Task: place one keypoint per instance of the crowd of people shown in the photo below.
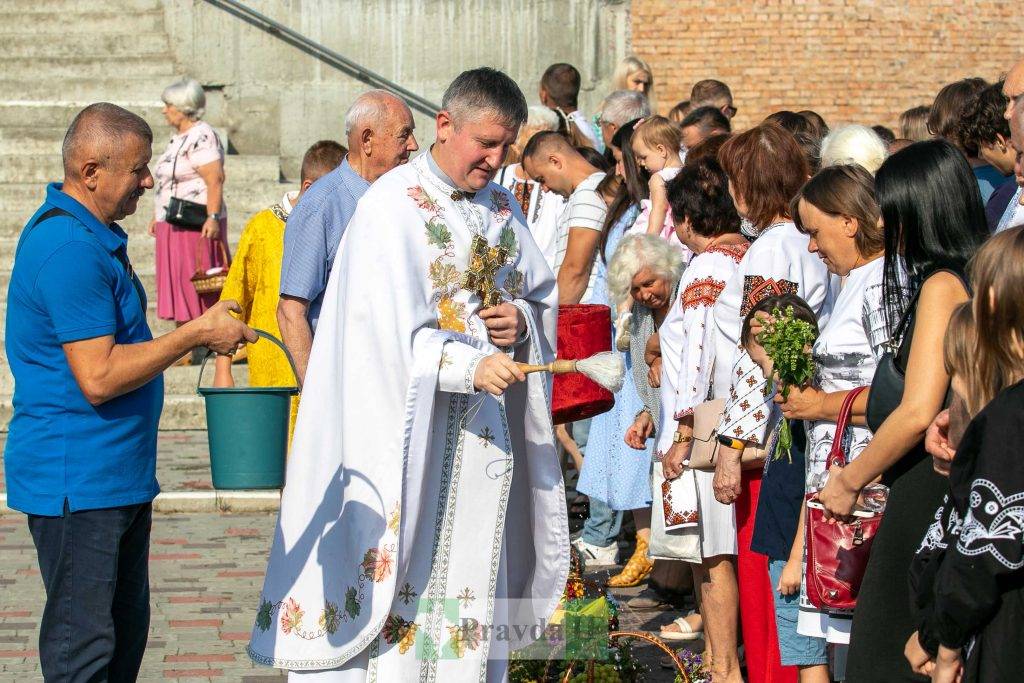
(899, 250)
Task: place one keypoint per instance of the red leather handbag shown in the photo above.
(837, 554)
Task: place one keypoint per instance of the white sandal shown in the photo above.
(685, 632)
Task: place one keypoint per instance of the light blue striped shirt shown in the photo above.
(313, 232)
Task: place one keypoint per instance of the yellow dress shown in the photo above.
(254, 282)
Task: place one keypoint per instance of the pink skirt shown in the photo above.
(176, 250)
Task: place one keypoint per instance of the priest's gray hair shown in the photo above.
(854, 145)
(99, 131)
(636, 252)
(186, 96)
(370, 110)
(623, 106)
(479, 92)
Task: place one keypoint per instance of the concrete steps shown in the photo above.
(49, 17)
(150, 45)
(177, 380)
(57, 115)
(181, 411)
(70, 7)
(56, 56)
(42, 168)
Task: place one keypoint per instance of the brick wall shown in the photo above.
(861, 61)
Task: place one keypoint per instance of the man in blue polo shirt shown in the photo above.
(80, 458)
(379, 130)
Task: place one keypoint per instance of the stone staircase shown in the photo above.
(56, 56)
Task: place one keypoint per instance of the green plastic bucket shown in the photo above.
(248, 430)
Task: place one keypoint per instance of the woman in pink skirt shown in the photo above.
(191, 168)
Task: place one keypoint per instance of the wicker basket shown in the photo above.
(211, 284)
(588, 666)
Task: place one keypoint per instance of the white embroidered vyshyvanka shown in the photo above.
(414, 506)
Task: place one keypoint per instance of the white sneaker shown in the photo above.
(622, 335)
(595, 555)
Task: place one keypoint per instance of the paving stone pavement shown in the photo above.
(206, 571)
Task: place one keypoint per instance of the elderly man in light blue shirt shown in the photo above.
(379, 128)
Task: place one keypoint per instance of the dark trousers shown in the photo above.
(95, 567)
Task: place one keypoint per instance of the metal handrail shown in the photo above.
(324, 54)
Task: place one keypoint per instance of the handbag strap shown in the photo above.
(199, 252)
(836, 456)
(174, 165)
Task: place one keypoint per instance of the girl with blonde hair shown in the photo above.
(656, 143)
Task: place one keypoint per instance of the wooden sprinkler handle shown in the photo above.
(556, 367)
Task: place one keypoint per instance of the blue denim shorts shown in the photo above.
(794, 649)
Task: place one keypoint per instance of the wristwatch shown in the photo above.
(677, 437)
(215, 216)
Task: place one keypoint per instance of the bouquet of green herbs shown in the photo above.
(787, 341)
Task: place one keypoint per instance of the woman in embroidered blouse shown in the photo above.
(706, 223)
(969, 570)
(766, 168)
(198, 176)
(838, 211)
(934, 222)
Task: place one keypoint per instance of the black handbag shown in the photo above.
(183, 213)
(889, 379)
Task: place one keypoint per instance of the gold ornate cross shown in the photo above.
(484, 263)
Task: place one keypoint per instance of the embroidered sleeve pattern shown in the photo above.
(747, 408)
(458, 367)
(695, 370)
(756, 289)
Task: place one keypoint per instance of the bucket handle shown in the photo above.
(269, 337)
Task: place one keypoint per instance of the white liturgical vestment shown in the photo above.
(419, 515)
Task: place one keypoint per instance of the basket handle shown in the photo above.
(269, 337)
(199, 252)
(652, 639)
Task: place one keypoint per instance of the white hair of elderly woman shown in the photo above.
(622, 106)
(854, 144)
(186, 96)
(540, 118)
(639, 251)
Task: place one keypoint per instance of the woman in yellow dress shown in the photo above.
(254, 278)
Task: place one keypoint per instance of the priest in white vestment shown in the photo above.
(423, 520)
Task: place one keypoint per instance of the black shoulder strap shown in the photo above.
(46, 215)
(120, 254)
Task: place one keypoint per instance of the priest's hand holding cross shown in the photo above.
(505, 324)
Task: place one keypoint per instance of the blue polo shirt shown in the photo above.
(313, 232)
(70, 283)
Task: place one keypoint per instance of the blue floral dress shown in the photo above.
(612, 471)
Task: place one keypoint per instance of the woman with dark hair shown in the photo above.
(766, 168)
(944, 122)
(934, 222)
(707, 223)
(838, 211)
(613, 477)
(982, 124)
